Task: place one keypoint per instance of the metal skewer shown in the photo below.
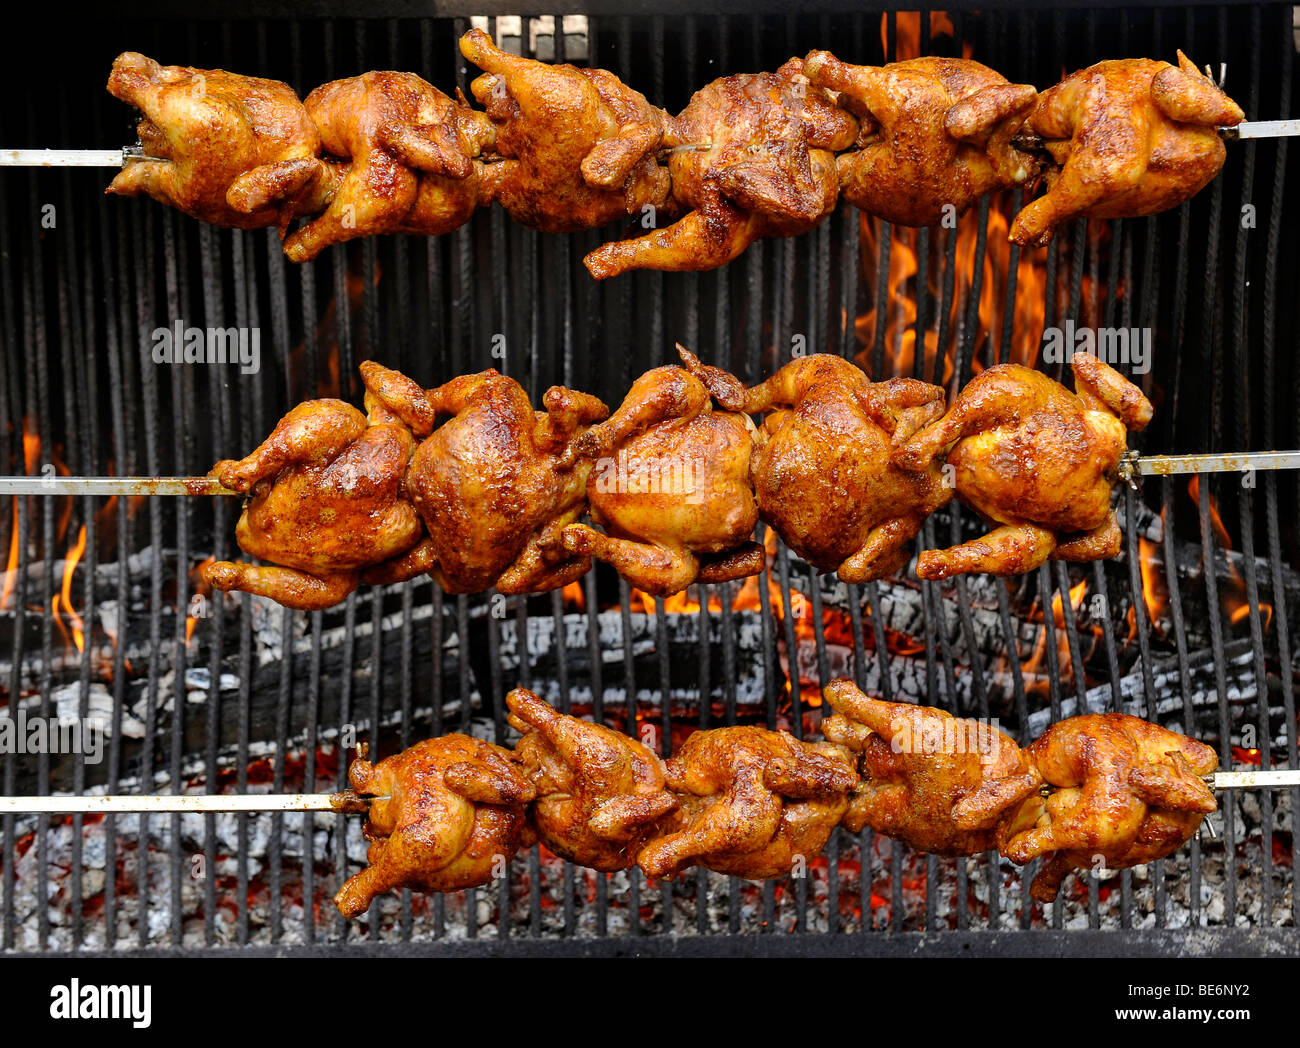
(74, 157)
(1132, 465)
(214, 802)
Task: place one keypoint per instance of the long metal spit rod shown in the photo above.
(121, 157)
(272, 802)
(1132, 465)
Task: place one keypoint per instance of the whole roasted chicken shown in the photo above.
(935, 134)
(670, 486)
(600, 795)
(405, 162)
(579, 147)
(754, 803)
(821, 467)
(1124, 792)
(492, 485)
(448, 813)
(1129, 137)
(205, 129)
(916, 764)
(752, 156)
(327, 498)
(1035, 460)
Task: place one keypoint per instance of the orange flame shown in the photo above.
(63, 599)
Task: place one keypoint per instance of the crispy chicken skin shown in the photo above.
(454, 812)
(491, 486)
(670, 486)
(1127, 792)
(916, 763)
(760, 164)
(934, 132)
(754, 802)
(209, 128)
(821, 467)
(326, 499)
(405, 162)
(1034, 459)
(579, 147)
(600, 794)
(1129, 137)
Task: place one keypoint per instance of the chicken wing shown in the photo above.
(1034, 459)
(600, 794)
(935, 134)
(326, 499)
(754, 803)
(670, 487)
(1127, 792)
(404, 162)
(209, 128)
(1129, 137)
(579, 146)
(752, 156)
(821, 468)
(491, 486)
(916, 764)
(448, 814)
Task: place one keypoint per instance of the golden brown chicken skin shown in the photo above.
(578, 146)
(752, 156)
(935, 134)
(1129, 137)
(491, 486)
(326, 499)
(754, 803)
(448, 814)
(1126, 792)
(1034, 459)
(916, 763)
(208, 128)
(821, 468)
(403, 162)
(670, 486)
(600, 795)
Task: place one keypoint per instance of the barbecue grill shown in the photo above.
(103, 612)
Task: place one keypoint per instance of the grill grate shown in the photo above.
(77, 304)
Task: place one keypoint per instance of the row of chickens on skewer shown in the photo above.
(563, 148)
(1097, 790)
(468, 484)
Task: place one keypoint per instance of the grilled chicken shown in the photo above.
(404, 162)
(1126, 792)
(579, 147)
(1129, 137)
(755, 803)
(935, 134)
(448, 814)
(753, 156)
(1035, 460)
(326, 499)
(670, 486)
(916, 763)
(207, 129)
(821, 468)
(491, 486)
(600, 796)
